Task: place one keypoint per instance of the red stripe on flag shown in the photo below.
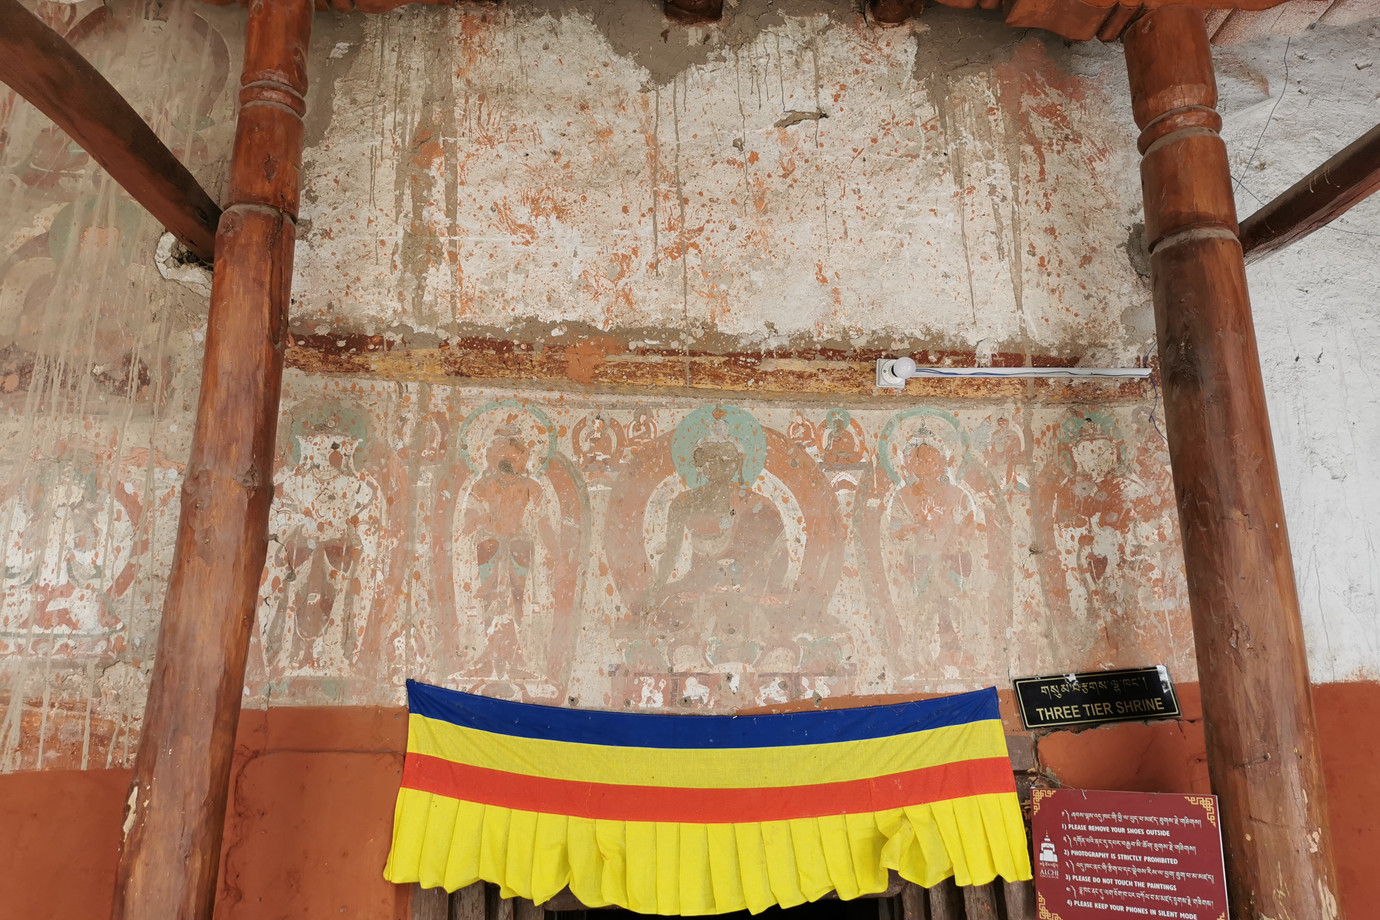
(705, 806)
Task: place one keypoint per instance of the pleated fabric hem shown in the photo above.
(695, 869)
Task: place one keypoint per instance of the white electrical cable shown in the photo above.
(1030, 372)
(892, 373)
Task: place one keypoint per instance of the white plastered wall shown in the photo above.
(1317, 312)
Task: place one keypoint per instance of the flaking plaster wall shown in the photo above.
(797, 179)
(98, 380)
(790, 180)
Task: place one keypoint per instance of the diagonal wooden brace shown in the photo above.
(44, 69)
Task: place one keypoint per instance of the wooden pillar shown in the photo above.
(914, 902)
(1261, 736)
(1019, 898)
(171, 849)
(946, 901)
(980, 902)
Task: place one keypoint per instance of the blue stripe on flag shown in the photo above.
(649, 730)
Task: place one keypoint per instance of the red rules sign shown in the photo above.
(1100, 855)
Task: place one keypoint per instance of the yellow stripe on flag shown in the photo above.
(698, 869)
(764, 767)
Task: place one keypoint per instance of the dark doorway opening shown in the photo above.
(903, 901)
(825, 909)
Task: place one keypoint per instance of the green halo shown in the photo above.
(742, 427)
(890, 431)
(833, 414)
(543, 424)
(1081, 420)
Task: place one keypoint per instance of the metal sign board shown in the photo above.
(1100, 855)
(1133, 694)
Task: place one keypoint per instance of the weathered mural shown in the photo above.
(600, 550)
(78, 533)
(327, 559)
(615, 551)
(662, 552)
(97, 378)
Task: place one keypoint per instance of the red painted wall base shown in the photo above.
(311, 808)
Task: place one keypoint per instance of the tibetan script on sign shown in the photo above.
(1134, 694)
(1127, 854)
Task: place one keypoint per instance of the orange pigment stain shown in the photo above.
(584, 359)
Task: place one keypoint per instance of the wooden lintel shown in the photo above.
(1072, 19)
(44, 69)
(601, 363)
(1316, 200)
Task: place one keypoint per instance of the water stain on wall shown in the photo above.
(97, 375)
(807, 179)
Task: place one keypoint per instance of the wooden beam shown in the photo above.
(1074, 19)
(1316, 200)
(1084, 20)
(171, 850)
(896, 12)
(41, 67)
(1262, 740)
(1019, 898)
(946, 901)
(980, 902)
(577, 361)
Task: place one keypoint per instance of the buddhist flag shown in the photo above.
(689, 815)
